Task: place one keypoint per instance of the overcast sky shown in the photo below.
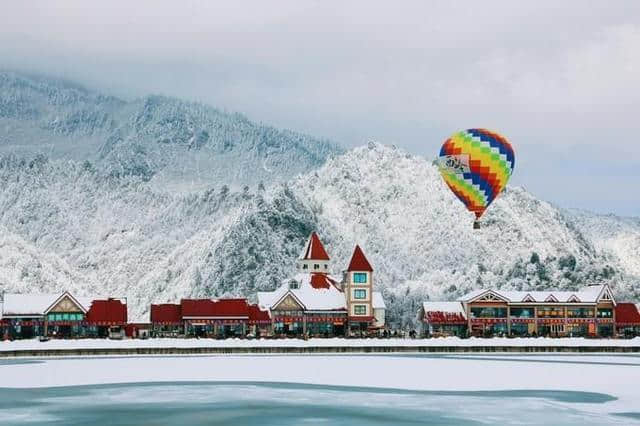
(561, 80)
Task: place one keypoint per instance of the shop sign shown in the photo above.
(523, 320)
(551, 321)
(580, 320)
(489, 321)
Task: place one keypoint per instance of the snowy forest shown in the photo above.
(158, 199)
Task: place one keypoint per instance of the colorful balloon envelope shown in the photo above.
(476, 164)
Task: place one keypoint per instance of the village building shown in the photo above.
(591, 311)
(315, 303)
(166, 320)
(587, 312)
(61, 315)
(628, 319)
(209, 318)
(442, 319)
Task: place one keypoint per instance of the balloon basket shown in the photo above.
(476, 224)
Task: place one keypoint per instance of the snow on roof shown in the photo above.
(328, 298)
(451, 307)
(36, 304)
(314, 250)
(359, 261)
(588, 294)
(444, 313)
(473, 294)
(27, 304)
(378, 301)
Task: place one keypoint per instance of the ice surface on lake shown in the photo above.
(282, 404)
(559, 389)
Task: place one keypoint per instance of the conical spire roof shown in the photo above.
(359, 261)
(314, 250)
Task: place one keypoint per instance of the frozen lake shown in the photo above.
(336, 390)
(278, 404)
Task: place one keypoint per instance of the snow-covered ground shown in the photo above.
(615, 377)
(262, 343)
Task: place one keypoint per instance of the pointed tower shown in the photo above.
(358, 289)
(314, 258)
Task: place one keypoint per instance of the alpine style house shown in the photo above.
(61, 315)
(313, 302)
(591, 311)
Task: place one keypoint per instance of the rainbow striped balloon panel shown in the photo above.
(476, 164)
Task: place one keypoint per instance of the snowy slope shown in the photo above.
(92, 213)
(421, 241)
(119, 235)
(175, 144)
(615, 236)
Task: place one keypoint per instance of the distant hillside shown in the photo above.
(67, 225)
(172, 143)
(615, 236)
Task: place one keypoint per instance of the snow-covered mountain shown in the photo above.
(615, 236)
(174, 144)
(84, 217)
(70, 226)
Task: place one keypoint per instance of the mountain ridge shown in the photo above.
(128, 223)
(158, 138)
(121, 236)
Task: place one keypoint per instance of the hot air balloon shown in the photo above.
(476, 164)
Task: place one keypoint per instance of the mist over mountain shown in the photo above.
(171, 143)
(93, 215)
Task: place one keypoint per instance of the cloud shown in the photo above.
(558, 78)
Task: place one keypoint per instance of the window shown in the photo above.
(522, 312)
(489, 312)
(326, 266)
(360, 278)
(316, 266)
(65, 317)
(360, 309)
(305, 266)
(551, 311)
(580, 312)
(359, 294)
(605, 313)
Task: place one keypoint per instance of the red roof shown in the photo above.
(438, 317)
(257, 315)
(314, 249)
(166, 313)
(627, 314)
(359, 262)
(362, 319)
(214, 308)
(320, 281)
(107, 311)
